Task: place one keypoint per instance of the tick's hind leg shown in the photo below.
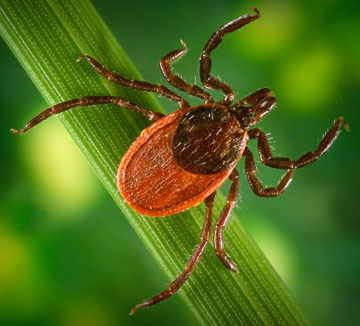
(267, 158)
(133, 83)
(205, 59)
(223, 220)
(176, 81)
(191, 264)
(87, 101)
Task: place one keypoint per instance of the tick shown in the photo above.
(184, 157)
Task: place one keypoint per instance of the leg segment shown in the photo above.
(191, 264)
(223, 220)
(267, 158)
(258, 189)
(205, 59)
(135, 84)
(87, 101)
(177, 81)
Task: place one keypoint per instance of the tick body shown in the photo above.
(180, 160)
(183, 158)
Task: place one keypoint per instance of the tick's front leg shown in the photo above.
(176, 81)
(208, 80)
(134, 83)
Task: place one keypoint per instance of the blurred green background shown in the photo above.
(57, 221)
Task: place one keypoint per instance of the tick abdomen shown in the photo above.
(208, 140)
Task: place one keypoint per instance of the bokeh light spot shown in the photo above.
(267, 37)
(310, 79)
(84, 312)
(14, 258)
(276, 247)
(58, 169)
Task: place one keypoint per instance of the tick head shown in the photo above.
(254, 107)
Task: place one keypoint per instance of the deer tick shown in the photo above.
(184, 157)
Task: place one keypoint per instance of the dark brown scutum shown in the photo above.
(208, 140)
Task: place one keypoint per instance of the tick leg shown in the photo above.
(87, 101)
(205, 59)
(267, 158)
(223, 220)
(177, 81)
(258, 189)
(135, 84)
(191, 264)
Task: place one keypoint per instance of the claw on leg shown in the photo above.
(222, 222)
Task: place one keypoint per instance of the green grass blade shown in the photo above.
(47, 37)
